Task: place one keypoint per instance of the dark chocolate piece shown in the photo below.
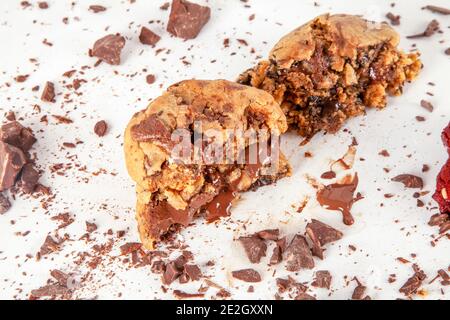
(17, 135)
(100, 128)
(187, 19)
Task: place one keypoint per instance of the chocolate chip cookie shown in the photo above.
(196, 147)
(332, 68)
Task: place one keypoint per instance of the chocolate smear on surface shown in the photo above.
(220, 206)
(109, 48)
(187, 19)
(255, 248)
(409, 180)
(148, 37)
(340, 196)
(247, 275)
(12, 159)
(346, 161)
(298, 254)
(431, 29)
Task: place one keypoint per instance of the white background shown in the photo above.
(380, 234)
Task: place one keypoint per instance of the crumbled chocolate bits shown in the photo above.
(100, 128)
(322, 280)
(43, 5)
(187, 19)
(247, 275)
(5, 205)
(255, 248)
(192, 271)
(96, 8)
(12, 159)
(436, 9)
(148, 37)
(426, 105)
(48, 94)
(21, 78)
(165, 6)
(320, 234)
(150, 79)
(431, 29)
(413, 283)
(184, 295)
(394, 19)
(130, 247)
(109, 48)
(298, 254)
(171, 273)
(269, 234)
(409, 180)
(28, 179)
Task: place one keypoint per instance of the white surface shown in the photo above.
(379, 239)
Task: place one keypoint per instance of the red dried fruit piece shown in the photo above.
(442, 194)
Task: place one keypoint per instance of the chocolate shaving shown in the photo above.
(409, 180)
(97, 8)
(183, 295)
(48, 94)
(413, 283)
(436, 9)
(426, 105)
(431, 29)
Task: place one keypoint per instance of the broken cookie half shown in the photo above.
(332, 68)
(196, 147)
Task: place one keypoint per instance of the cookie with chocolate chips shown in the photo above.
(331, 69)
(196, 147)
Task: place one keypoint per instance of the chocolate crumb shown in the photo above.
(100, 128)
(409, 180)
(426, 105)
(48, 94)
(97, 8)
(394, 19)
(148, 37)
(150, 79)
(90, 227)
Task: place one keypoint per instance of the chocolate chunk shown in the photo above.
(323, 279)
(108, 48)
(150, 79)
(90, 227)
(12, 159)
(358, 293)
(304, 296)
(48, 246)
(247, 275)
(187, 19)
(17, 135)
(100, 128)
(436, 9)
(148, 37)
(48, 94)
(413, 283)
(60, 276)
(328, 175)
(158, 267)
(431, 29)
(426, 105)
(298, 255)
(29, 178)
(130, 247)
(43, 5)
(97, 8)
(321, 234)
(394, 19)
(51, 290)
(409, 180)
(277, 255)
(5, 205)
(151, 129)
(193, 272)
(21, 78)
(270, 234)
(171, 273)
(254, 247)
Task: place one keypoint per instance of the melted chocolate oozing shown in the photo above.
(339, 196)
